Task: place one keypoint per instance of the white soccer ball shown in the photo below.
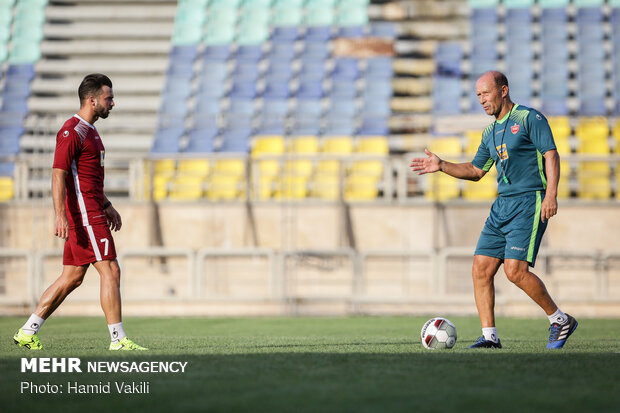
(438, 333)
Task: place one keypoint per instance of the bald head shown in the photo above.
(492, 92)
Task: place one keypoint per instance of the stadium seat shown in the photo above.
(195, 167)
(594, 180)
(360, 187)
(7, 191)
(186, 187)
(226, 183)
(441, 187)
(482, 190)
(267, 170)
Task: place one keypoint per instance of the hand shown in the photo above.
(61, 229)
(425, 165)
(548, 208)
(114, 218)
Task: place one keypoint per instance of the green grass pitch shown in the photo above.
(340, 364)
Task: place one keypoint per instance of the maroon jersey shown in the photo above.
(80, 152)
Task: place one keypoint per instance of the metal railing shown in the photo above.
(292, 277)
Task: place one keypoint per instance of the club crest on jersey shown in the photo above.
(65, 133)
(502, 152)
(514, 128)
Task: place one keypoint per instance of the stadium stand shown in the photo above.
(204, 78)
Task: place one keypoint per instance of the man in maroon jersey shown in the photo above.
(84, 216)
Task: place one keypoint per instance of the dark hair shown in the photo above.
(92, 84)
(500, 79)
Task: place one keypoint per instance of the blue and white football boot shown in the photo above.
(559, 333)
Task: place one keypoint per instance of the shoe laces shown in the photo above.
(554, 331)
(481, 339)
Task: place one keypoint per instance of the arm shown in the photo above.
(549, 206)
(61, 225)
(458, 170)
(114, 218)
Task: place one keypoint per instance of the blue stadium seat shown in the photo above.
(379, 68)
(351, 31)
(319, 34)
(448, 57)
(345, 68)
(201, 140)
(374, 126)
(343, 89)
(11, 119)
(285, 34)
(219, 53)
(249, 53)
(283, 52)
(207, 106)
(235, 141)
(184, 53)
(342, 105)
(24, 71)
(7, 168)
(384, 29)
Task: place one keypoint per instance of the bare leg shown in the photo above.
(483, 276)
(110, 274)
(518, 273)
(69, 280)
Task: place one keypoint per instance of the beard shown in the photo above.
(101, 111)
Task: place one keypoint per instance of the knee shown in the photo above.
(75, 277)
(481, 273)
(515, 275)
(113, 273)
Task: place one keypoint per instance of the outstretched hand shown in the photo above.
(425, 165)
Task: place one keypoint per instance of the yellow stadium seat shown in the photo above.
(304, 145)
(367, 168)
(338, 145)
(7, 190)
(373, 145)
(592, 135)
(227, 182)
(441, 187)
(560, 127)
(165, 166)
(450, 147)
(361, 188)
(594, 180)
(231, 167)
(563, 146)
(160, 185)
(186, 188)
(565, 177)
(473, 139)
(482, 190)
(616, 136)
(268, 144)
(225, 188)
(198, 167)
(291, 187)
(326, 186)
(592, 127)
(299, 167)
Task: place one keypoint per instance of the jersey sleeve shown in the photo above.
(482, 159)
(540, 132)
(68, 145)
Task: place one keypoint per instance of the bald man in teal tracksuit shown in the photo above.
(520, 144)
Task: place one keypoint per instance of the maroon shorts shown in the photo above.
(89, 244)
